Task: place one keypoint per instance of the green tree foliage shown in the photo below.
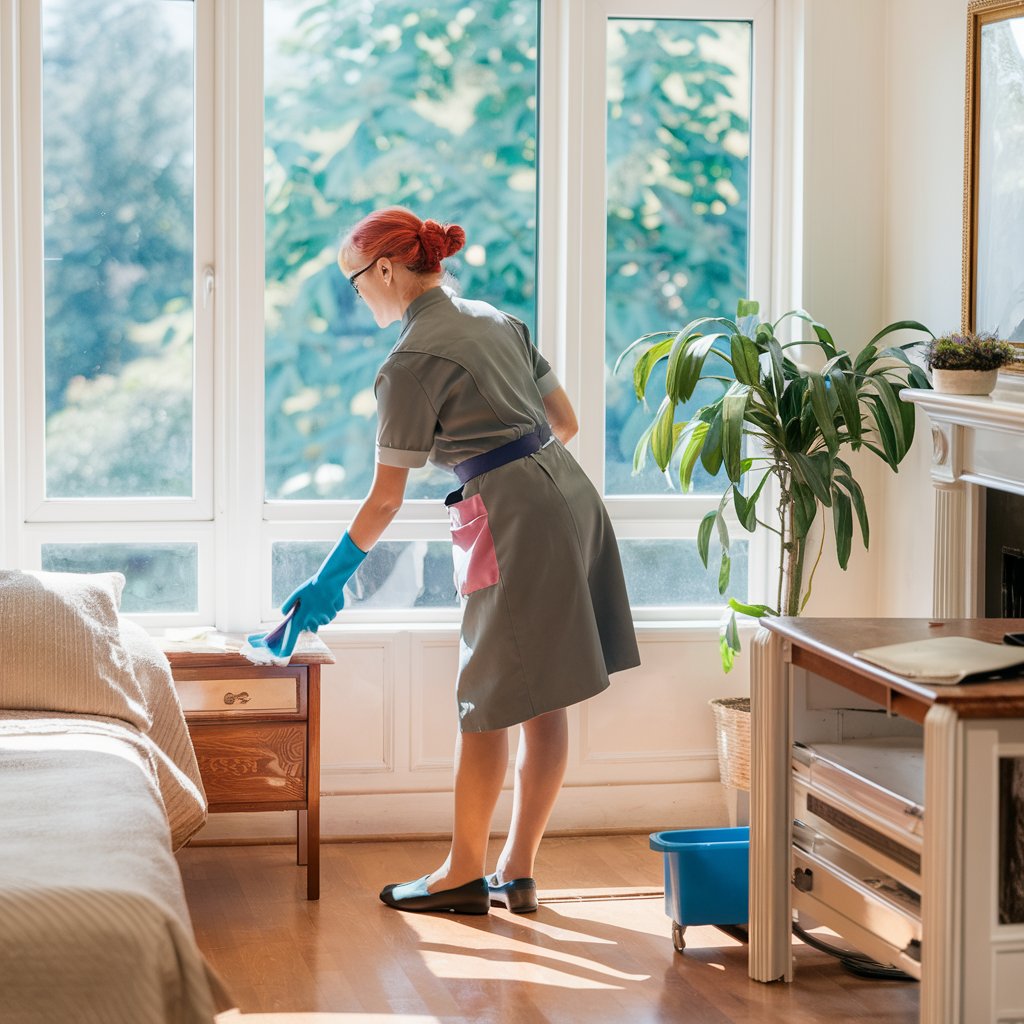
(430, 106)
(678, 182)
(118, 246)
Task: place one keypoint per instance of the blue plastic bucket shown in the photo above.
(707, 874)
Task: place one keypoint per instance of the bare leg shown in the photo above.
(540, 768)
(480, 762)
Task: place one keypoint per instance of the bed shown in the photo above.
(98, 786)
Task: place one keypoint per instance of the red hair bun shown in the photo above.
(400, 235)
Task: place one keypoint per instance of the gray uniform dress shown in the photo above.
(546, 617)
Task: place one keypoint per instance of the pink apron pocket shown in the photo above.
(476, 565)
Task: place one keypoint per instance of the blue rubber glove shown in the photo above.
(279, 642)
(322, 596)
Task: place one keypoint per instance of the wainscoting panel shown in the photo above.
(433, 665)
(357, 698)
(653, 724)
(642, 754)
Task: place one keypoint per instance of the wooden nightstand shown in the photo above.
(256, 731)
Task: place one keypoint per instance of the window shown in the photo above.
(602, 199)
(118, 185)
(673, 117)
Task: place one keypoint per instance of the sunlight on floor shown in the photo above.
(324, 1018)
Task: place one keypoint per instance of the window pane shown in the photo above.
(430, 106)
(117, 204)
(158, 577)
(678, 151)
(395, 574)
(670, 572)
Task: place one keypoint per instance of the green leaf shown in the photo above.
(822, 411)
(824, 341)
(842, 517)
(747, 307)
(726, 653)
(908, 420)
(734, 403)
(746, 510)
(645, 366)
(691, 453)
(845, 479)
(724, 571)
(640, 452)
(745, 364)
(901, 325)
(778, 361)
(755, 611)
(805, 508)
(791, 403)
(846, 392)
(865, 358)
(919, 379)
(635, 344)
(711, 453)
(663, 434)
(886, 434)
(704, 535)
(685, 363)
(891, 404)
(815, 473)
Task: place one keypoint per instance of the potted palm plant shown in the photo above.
(775, 420)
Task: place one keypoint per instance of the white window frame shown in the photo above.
(31, 518)
(228, 517)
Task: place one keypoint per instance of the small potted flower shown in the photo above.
(967, 363)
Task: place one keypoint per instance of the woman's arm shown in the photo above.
(560, 415)
(380, 506)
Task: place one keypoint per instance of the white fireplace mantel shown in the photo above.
(977, 443)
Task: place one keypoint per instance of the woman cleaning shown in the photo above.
(546, 617)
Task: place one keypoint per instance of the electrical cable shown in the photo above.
(856, 963)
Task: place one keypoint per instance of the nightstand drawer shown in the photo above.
(238, 694)
(246, 764)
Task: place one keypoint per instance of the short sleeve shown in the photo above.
(406, 421)
(545, 377)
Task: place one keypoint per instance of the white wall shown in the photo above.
(925, 63)
(843, 231)
(883, 166)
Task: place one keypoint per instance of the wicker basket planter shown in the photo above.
(732, 724)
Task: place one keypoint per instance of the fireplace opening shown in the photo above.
(1013, 584)
(1004, 555)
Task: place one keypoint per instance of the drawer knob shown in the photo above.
(803, 879)
(242, 697)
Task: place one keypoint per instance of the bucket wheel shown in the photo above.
(678, 937)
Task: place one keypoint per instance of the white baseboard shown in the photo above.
(640, 808)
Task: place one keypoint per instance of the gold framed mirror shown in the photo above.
(993, 242)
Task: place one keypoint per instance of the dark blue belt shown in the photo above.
(496, 457)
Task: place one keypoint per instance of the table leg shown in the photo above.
(301, 838)
(940, 900)
(771, 809)
(312, 814)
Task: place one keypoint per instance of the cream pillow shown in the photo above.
(60, 646)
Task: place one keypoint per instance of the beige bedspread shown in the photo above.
(93, 921)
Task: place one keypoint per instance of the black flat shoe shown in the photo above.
(471, 898)
(519, 895)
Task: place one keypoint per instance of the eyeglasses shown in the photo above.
(352, 279)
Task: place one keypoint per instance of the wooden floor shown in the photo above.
(598, 950)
